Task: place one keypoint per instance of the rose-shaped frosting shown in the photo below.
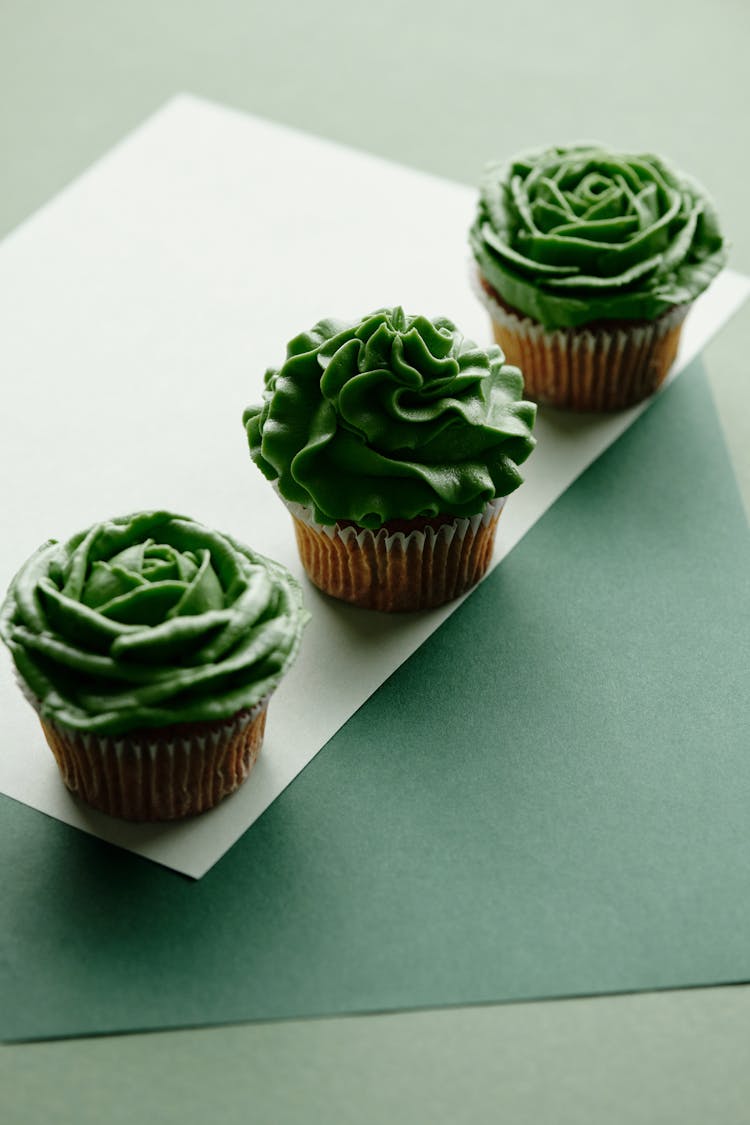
(147, 621)
(579, 234)
(393, 417)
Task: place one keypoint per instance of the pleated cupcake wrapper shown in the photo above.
(397, 571)
(587, 369)
(154, 775)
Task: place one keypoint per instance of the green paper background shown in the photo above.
(561, 810)
(563, 1063)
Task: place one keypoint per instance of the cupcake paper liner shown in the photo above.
(160, 774)
(600, 367)
(397, 571)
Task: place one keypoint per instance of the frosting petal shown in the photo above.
(571, 235)
(147, 621)
(391, 417)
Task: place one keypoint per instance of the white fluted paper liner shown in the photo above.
(160, 774)
(397, 570)
(599, 367)
(458, 526)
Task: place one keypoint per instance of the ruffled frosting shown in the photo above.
(578, 234)
(392, 417)
(147, 621)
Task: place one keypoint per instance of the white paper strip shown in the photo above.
(139, 310)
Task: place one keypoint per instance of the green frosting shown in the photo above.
(579, 234)
(393, 417)
(150, 620)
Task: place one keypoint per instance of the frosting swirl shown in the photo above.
(392, 417)
(147, 621)
(578, 234)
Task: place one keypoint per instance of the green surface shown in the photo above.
(549, 798)
(443, 90)
(524, 1062)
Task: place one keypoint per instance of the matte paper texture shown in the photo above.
(141, 308)
(549, 798)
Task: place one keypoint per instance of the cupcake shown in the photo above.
(149, 647)
(588, 261)
(394, 442)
